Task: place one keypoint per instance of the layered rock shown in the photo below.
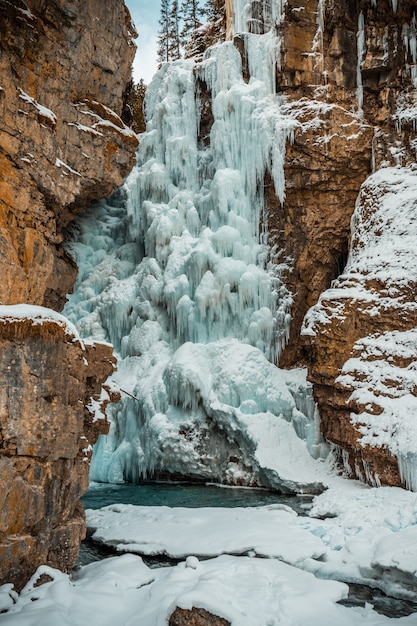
(64, 69)
(62, 143)
(362, 335)
(358, 335)
(51, 388)
(347, 73)
(196, 617)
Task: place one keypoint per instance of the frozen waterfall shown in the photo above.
(175, 273)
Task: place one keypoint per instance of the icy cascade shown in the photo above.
(256, 17)
(177, 279)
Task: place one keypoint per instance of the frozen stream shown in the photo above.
(202, 496)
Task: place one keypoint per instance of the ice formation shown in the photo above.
(360, 38)
(176, 275)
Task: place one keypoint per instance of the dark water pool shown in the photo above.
(191, 496)
(175, 495)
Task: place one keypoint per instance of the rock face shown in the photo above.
(362, 334)
(62, 142)
(196, 617)
(64, 67)
(348, 71)
(50, 382)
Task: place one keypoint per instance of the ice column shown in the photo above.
(360, 58)
(318, 49)
(257, 16)
(409, 33)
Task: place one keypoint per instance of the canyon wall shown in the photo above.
(348, 72)
(64, 68)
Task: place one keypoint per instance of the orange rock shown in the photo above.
(61, 95)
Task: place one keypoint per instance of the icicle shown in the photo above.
(345, 459)
(360, 38)
(244, 22)
(318, 47)
(371, 478)
(409, 34)
(407, 465)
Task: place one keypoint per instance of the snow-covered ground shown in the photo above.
(266, 565)
(353, 533)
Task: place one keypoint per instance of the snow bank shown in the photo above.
(178, 532)
(245, 591)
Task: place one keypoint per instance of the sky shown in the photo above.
(145, 15)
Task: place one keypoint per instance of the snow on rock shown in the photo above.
(44, 113)
(382, 376)
(382, 262)
(37, 314)
(373, 372)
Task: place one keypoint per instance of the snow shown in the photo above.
(353, 533)
(42, 110)
(119, 590)
(268, 532)
(85, 129)
(116, 124)
(59, 163)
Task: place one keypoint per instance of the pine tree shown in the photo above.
(191, 14)
(135, 102)
(215, 29)
(164, 33)
(174, 52)
(215, 10)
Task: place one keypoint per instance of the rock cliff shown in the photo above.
(62, 141)
(348, 71)
(62, 145)
(362, 334)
